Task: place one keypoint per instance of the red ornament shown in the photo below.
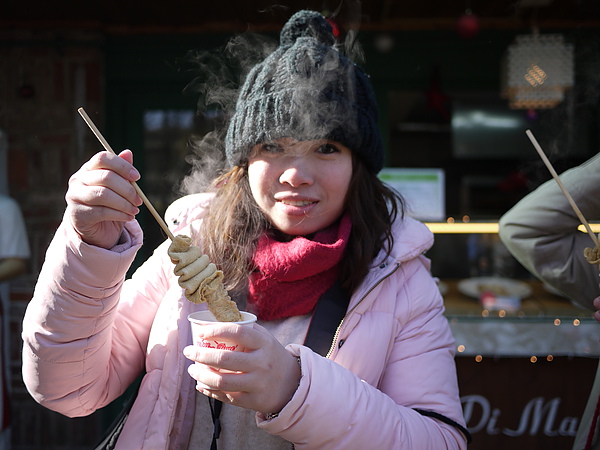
(514, 181)
(468, 25)
(531, 115)
(335, 27)
(436, 99)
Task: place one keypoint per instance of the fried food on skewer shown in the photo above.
(592, 255)
(201, 279)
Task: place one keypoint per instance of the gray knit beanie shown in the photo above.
(306, 90)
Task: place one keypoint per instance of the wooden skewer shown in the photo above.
(562, 187)
(106, 145)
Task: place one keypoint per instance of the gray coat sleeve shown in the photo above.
(541, 232)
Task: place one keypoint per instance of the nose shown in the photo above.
(296, 173)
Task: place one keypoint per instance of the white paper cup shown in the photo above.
(200, 318)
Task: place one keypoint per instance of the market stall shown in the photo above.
(524, 372)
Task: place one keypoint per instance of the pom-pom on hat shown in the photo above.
(306, 89)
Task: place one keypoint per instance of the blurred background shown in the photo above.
(457, 86)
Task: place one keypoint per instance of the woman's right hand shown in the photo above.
(101, 198)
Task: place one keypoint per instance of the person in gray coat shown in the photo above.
(541, 233)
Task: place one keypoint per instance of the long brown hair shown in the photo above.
(234, 222)
(373, 208)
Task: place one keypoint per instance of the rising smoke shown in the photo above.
(218, 75)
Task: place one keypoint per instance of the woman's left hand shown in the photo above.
(266, 374)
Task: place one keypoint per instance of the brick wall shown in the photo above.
(44, 77)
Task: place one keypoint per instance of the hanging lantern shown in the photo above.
(537, 70)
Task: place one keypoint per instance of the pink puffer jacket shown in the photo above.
(88, 334)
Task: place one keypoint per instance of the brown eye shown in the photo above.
(270, 147)
(328, 149)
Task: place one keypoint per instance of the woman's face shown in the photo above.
(300, 186)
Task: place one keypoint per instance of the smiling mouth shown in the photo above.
(297, 203)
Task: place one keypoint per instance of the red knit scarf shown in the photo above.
(291, 276)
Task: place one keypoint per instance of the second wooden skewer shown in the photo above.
(107, 146)
(562, 187)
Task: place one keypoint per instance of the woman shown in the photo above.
(300, 210)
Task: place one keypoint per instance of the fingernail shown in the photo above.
(134, 174)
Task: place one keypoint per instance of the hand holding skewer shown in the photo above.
(139, 192)
(201, 279)
(592, 255)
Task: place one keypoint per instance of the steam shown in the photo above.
(565, 126)
(220, 73)
(587, 66)
(219, 76)
(563, 130)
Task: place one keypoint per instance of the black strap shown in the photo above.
(331, 309)
(447, 420)
(215, 411)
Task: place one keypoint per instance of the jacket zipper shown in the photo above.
(339, 327)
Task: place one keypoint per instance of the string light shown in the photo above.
(470, 347)
(479, 358)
